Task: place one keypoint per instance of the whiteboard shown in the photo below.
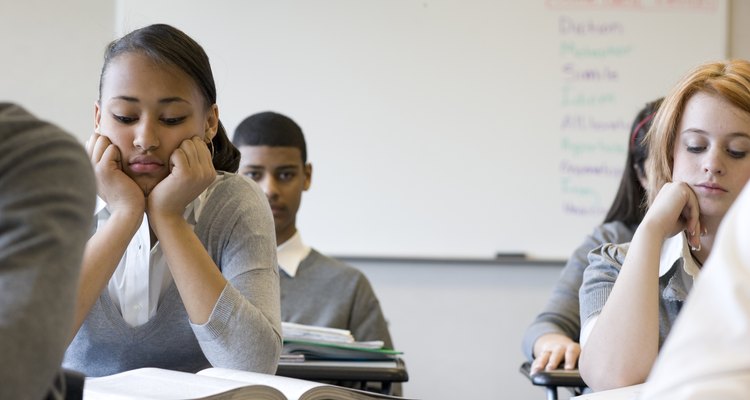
(453, 128)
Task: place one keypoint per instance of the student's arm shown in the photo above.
(244, 328)
(233, 306)
(552, 338)
(624, 342)
(195, 274)
(126, 203)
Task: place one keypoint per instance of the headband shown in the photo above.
(638, 128)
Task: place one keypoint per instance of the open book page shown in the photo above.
(163, 384)
(296, 389)
(623, 393)
(292, 388)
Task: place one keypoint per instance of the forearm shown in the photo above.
(243, 334)
(196, 276)
(102, 254)
(624, 342)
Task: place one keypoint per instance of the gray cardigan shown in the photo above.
(561, 314)
(243, 331)
(599, 278)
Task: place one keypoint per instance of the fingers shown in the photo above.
(97, 145)
(90, 143)
(204, 154)
(691, 215)
(555, 358)
(111, 155)
(179, 160)
(550, 359)
(571, 355)
(195, 153)
(540, 362)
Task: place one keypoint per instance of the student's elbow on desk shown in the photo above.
(604, 375)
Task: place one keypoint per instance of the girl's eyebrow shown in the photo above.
(166, 100)
(703, 132)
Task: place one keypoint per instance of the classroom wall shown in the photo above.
(739, 29)
(459, 324)
(51, 54)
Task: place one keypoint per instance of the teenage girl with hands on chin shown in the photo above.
(180, 272)
(699, 161)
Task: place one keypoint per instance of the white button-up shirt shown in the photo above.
(291, 253)
(142, 276)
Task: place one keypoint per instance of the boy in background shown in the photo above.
(315, 289)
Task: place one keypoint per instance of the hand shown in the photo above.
(675, 209)
(113, 185)
(191, 171)
(552, 349)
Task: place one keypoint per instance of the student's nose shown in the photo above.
(714, 162)
(270, 188)
(145, 137)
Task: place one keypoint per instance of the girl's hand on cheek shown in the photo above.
(192, 170)
(675, 209)
(113, 185)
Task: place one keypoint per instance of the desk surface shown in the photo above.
(372, 371)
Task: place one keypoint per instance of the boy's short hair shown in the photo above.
(269, 128)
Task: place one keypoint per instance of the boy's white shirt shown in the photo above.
(291, 253)
(142, 277)
(674, 248)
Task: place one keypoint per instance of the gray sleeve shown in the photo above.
(599, 278)
(47, 195)
(561, 313)
(244, 329)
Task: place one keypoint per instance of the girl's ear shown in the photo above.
(212, 122)
(97, 117)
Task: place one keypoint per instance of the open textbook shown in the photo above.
(214, 384)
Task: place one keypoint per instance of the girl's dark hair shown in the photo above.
(169, 45)
(629, 205)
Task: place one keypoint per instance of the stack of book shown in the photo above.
(321, 343)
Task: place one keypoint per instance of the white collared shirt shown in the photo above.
(291, 253)
(673, 249)
(142, 277)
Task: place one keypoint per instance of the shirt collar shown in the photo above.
(291, 253)
(676, 248)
